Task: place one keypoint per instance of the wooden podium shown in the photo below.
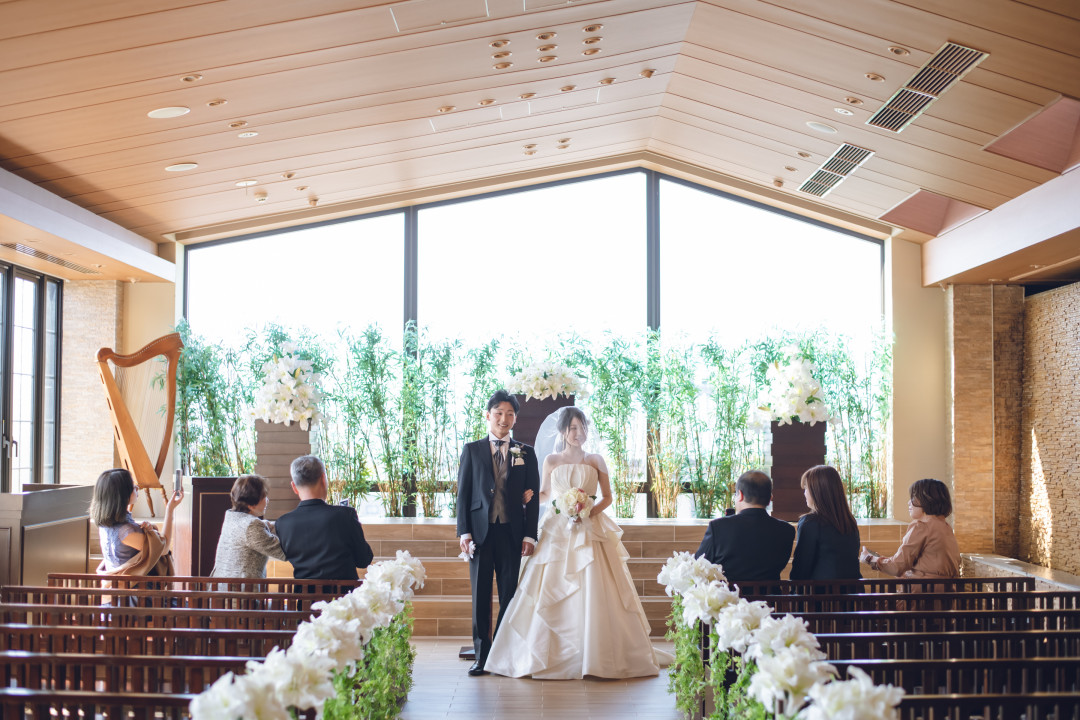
(198, 522)
(44, 528)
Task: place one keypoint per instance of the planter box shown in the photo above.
(533, 413)
(795, 449)
(276, 446)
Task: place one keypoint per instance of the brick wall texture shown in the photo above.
(92, 320)
(1008, 408)
(1049, 527)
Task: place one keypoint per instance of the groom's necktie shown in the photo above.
(498, 502)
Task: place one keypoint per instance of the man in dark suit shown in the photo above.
(323, 542)
(750, 545)
(498, 505)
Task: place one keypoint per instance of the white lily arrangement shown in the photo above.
(789, 674)
(301, 677)
(794, 395)
(289, 393)
(544, 380)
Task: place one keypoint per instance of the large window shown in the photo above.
(29, 362)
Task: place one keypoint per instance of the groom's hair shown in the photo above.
(306, 470)
(500, 397)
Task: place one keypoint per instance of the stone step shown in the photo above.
(423, 529)
(452, 616)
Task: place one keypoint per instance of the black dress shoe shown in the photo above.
(477, 669)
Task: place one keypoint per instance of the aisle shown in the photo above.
(443, 690)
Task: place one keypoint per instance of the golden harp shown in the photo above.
(141, 392)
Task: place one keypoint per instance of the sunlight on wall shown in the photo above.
(1042, 515)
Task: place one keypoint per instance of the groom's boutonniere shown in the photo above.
(519, 458)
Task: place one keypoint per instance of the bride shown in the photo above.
(576, 611)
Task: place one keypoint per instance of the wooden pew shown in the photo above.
(207, 584)
(753, 588)
(913, 602)
(1033, 706)
(162, 597)
(996, 676)
(932, 621)
(152, 617)
(934, 646)
(142, 641)
(114, 673)
(25, 704)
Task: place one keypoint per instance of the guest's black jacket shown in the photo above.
(750, 545)
(323, 542)
(824, 553)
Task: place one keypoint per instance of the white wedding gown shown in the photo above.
(576, 611)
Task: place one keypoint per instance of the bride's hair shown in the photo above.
(567, 416)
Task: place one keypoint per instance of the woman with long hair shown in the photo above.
(129, 548)
(828, 541)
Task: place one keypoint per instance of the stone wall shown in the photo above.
(1049, 527)
(92, 320)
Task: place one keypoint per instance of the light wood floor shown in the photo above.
(442, 689)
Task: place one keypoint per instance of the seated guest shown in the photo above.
(828, 544)
(130, 548)
(750, 545)
(323, 542)
(246, 540)
(929, 548)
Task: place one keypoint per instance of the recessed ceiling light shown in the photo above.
(564, 140)
(803, 154)
(501, 55)
(547, 58)
(647, 73)
(820, 127)
(875, 77)
(564, 146)
(193, 77)
(530, 152)
(247, 134)
(567, 88)
(181, 167)
(301, 188)
(607, 81)
(487, 101)
(238, 124)
(527, 96)
(217, 103)
(595, 27)
(843, 111)
(261, 196)
(899, 51)
(592, 40)
(546, 48)
(447, 108)
(247, 183)
(503, 65)
(791, 168)
(96, 265)
(544, 36)
(289, 175)
(530, 146)
(591, 51)
(168, 112)
(850, 100)
(500, 43)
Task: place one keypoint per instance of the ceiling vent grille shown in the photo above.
(928, 83)
(840, 164)
(18, 247)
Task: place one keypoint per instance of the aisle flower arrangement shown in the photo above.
(760, 667)
(289, 392)
(794, 394)
(546, 380)
(353, 660)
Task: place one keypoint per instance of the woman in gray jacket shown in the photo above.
(246, 541)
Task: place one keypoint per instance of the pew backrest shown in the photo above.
(142, 641)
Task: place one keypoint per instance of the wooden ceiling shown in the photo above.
(345, 98)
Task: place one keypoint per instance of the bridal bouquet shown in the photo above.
(288, 393)
(574, 504)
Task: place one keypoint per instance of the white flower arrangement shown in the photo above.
(706, 601)
(855, 699)
(775, 636)
(783, 681)
(289, 392)
(794, 394)
(683, 571)
(735, 624)
(544, 380)
(302, 676)
(574, 504)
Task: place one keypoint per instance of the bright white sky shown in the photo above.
(570, 256)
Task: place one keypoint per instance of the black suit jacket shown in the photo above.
(750, 545)
(824, 553)
(476, 490)
(323, 542)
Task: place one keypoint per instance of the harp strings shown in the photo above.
(143, 388)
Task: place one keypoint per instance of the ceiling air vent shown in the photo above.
(841, 164)
(17, 247)
(928, 83)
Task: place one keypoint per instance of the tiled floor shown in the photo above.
(442, 689)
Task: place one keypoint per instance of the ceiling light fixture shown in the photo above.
(803, 154)
(181, 167)
(530, 146)
(564, 146)
(288, 175)
(260, 196)
(791, 168)
(96, 265)
(547, 58)
(592, 40)
(217, 103)
(591, 51)
(301, 188)
(238, 124)
(546, 48)
(607, 81)
(567, 88)
(193, 77)
(899, 51)
(821, 127)
(647, 73)
(502, 65)
(447, 108)
(530, 152)
(247, 134)
(166, 113)
(545, 36)
(853, 100)
(486, 101)
(247, 183)
(499, 43)
(595, 27)
(875, 77)
(501, 55)
(527, 96)
(843, 111)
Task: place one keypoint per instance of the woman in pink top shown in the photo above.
(929, 548)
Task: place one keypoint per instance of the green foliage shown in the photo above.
(429, 418)
(686, 674)
(379, 684)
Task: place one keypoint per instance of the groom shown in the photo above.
(494, 477)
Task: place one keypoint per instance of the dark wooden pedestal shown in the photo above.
(795, 449)
(532, 414)
(198, 523)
